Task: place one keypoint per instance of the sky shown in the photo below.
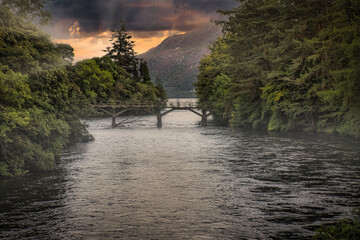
(86, 24)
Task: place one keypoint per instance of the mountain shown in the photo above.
(175, 61)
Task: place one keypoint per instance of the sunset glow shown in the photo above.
(86, 25)
(93, 46)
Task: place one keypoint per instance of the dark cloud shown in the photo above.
(208, 6)
(96, 16)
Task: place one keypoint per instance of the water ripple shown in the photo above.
(186, 182)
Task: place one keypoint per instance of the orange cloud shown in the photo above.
(86, 47)
(89, 47)
(75, 29)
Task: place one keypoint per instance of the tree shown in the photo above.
(122, 52)
(65, 51)
(26, 49)
(213, 69)
(32, 10)
(267, 40)
(293, 65)
(161, 91)
(39, 104)
(94, 82)
(144, 71)
(348, 228)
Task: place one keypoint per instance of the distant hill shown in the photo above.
(176, 59)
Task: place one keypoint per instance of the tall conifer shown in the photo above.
(122, 51)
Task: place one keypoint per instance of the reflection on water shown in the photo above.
(186, 182)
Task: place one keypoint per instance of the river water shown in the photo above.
(184, 181)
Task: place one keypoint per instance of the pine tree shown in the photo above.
(122, 52)
(144, 71)
(161, 91)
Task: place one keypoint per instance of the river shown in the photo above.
(185, 181)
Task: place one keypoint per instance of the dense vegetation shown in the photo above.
(286, 65)
(43, 96)
(343, 229)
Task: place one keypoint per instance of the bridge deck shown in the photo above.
(123, 107)
(177, 105)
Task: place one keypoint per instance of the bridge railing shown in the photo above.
(181, 104)
(172, 103)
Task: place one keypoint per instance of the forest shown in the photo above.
(286, 65)
(44, 95)
(281, 65)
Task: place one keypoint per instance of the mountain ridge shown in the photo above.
(175, 60)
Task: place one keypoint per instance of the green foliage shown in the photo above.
(39, 104)
(293, 65)
(28, 9)
(30, 139)
(14, 89)
(95, 83)
(144, 72)
(161, 94)
(122, 52)
(213, 87)
(43, 96)
(65, 51)
(24, 48)
(130, 74)
(103, 80)
(343, 229)
(221, 97)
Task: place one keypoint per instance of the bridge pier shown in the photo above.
(159, 120)
(113, 115)
(204, 118)
(159, 116)
(204, 115)
(113, 124)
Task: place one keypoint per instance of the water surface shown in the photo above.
(184, 181)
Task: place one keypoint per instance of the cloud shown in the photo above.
(74, 30)
(154, 34)
(86, 47)
(207, 6)
(93, 46)
(86, 24)
(95, 16)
